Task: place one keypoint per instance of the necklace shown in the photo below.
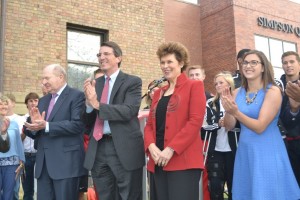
(250, 100)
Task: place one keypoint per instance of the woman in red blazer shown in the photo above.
(172, 138)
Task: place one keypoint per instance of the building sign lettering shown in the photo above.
(275, 25)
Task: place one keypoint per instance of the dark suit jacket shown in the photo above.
(290, 122)
(62, 147)
(289, 125)
(121, 113)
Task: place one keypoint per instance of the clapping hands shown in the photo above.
(37, 120)
(90, 93)
(228, 102)
(293, 90)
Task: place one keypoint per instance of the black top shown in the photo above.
(237, 79)
(213, 115)
(160, 115)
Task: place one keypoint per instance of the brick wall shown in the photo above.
(213, 32)
(36, 36)
(182, 24)
(218, 39)
(230, 25)
(246, 13)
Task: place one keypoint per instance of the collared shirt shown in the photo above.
(58, 95)
(113, 77)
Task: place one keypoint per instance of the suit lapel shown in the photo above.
(119, 81)
(59, 102)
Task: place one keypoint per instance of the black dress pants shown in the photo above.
(293, 149)
(175, 185)
(112, 181)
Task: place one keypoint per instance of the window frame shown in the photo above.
(88, 30)
(269, 56)
(103, 34)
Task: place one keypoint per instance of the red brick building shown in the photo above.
(214, 31)
(35, 33)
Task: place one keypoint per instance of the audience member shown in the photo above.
(262, 168)
(152, 88)
(237, 76)
(172, 138)
(223, 143)
(98, 73)
(60, 150)
(11, 114)
(290, 116)
(31, 101)
(20, 121)
(196, 72)
(4, 105)
(116, 143)
(12, 159)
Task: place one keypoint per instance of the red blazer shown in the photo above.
(184, 118)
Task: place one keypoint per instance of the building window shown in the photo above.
(83, 45)
(273, 49)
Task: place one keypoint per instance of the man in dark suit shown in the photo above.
(116, 158)
(60, 151)
(290, 115)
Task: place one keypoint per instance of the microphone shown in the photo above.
(159, 81)
(156, 83)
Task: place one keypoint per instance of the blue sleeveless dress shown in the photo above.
(262, 170)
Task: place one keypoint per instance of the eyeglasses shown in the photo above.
(252, 63)
(106, 54)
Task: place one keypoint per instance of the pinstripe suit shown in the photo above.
(126, 142)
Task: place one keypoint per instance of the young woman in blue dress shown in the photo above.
(262, 170)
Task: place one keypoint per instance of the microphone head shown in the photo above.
(159, 81)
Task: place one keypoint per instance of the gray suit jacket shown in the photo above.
(121, 113)
(62, 147)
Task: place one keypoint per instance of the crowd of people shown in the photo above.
(68, 133)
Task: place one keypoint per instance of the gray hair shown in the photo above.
(58, 70)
